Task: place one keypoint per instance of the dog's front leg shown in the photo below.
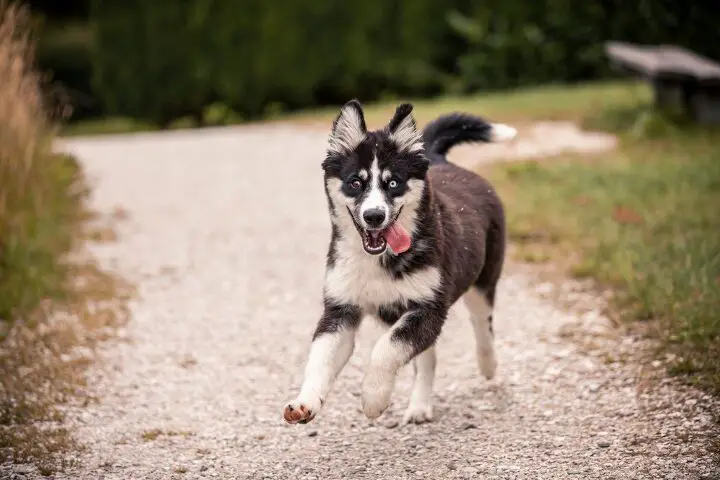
(414, 332)
(332, 345)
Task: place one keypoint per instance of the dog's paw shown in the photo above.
(376, 395)
(299, 411)
(418, 413)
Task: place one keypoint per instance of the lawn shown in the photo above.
(551, 102)
(644, 219)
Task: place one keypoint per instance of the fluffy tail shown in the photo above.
(447, 131)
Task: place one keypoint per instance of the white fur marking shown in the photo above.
(410, 202)
(502, 133)
(480, 312)
(363, 174)
(348, 132)
(406, 136)
(359, 279)
(419, 408)
(386, 175)
(328, 355)
(375, 198)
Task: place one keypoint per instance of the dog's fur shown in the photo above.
(457, 226)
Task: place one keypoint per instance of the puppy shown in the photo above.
(411, 234)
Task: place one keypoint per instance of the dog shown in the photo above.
(411, 234)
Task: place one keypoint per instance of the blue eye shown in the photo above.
(356, 184)
(393, 184)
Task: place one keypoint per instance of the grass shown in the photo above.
(550, 102)
(644, 219)
(53, 297)
(553, 102)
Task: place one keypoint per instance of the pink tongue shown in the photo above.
(397, 237)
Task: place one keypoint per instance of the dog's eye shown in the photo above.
(356, 184)
(393, 184)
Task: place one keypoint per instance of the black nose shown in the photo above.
(374, 217)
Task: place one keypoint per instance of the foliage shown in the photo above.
(159, 61)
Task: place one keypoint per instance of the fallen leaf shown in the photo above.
(626, 215)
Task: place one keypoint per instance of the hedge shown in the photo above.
(161, 60)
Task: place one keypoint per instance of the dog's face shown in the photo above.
(375, 180)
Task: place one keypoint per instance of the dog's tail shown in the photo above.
(443, 133)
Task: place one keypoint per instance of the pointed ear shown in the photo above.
(403, 130)
(348, 130)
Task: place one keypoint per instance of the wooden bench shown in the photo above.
(679, 78)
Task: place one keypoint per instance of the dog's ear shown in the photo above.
(348, 130)
(403, 130)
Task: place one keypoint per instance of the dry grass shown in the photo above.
(55, 303)
(41, 191)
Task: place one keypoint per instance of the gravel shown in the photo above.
(226, 239)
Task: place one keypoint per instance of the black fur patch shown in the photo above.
(336, 316)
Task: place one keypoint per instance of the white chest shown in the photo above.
(358, 278)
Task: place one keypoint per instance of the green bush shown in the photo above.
(513, 43)
(265, 52)
(164, 60)
(149, 60)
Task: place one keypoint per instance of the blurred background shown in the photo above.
(215, 62)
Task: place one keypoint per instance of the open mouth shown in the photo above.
(375, 241)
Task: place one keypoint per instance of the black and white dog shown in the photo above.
(411, 234)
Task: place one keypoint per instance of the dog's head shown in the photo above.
(375, 180)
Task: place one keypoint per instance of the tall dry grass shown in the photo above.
(41, 193)
(55, 303)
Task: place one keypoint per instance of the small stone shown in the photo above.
(452, 466)
(392, 424)
(469, 426)
(603, 444)
(312, 433)
(203, 468)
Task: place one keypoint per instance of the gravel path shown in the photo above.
(226, 239)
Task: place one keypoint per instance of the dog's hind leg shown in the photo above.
(480, 298)
(479, 304)
(419, 409)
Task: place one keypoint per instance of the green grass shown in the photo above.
(554, 102)
(551, 102)
(644, 219)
